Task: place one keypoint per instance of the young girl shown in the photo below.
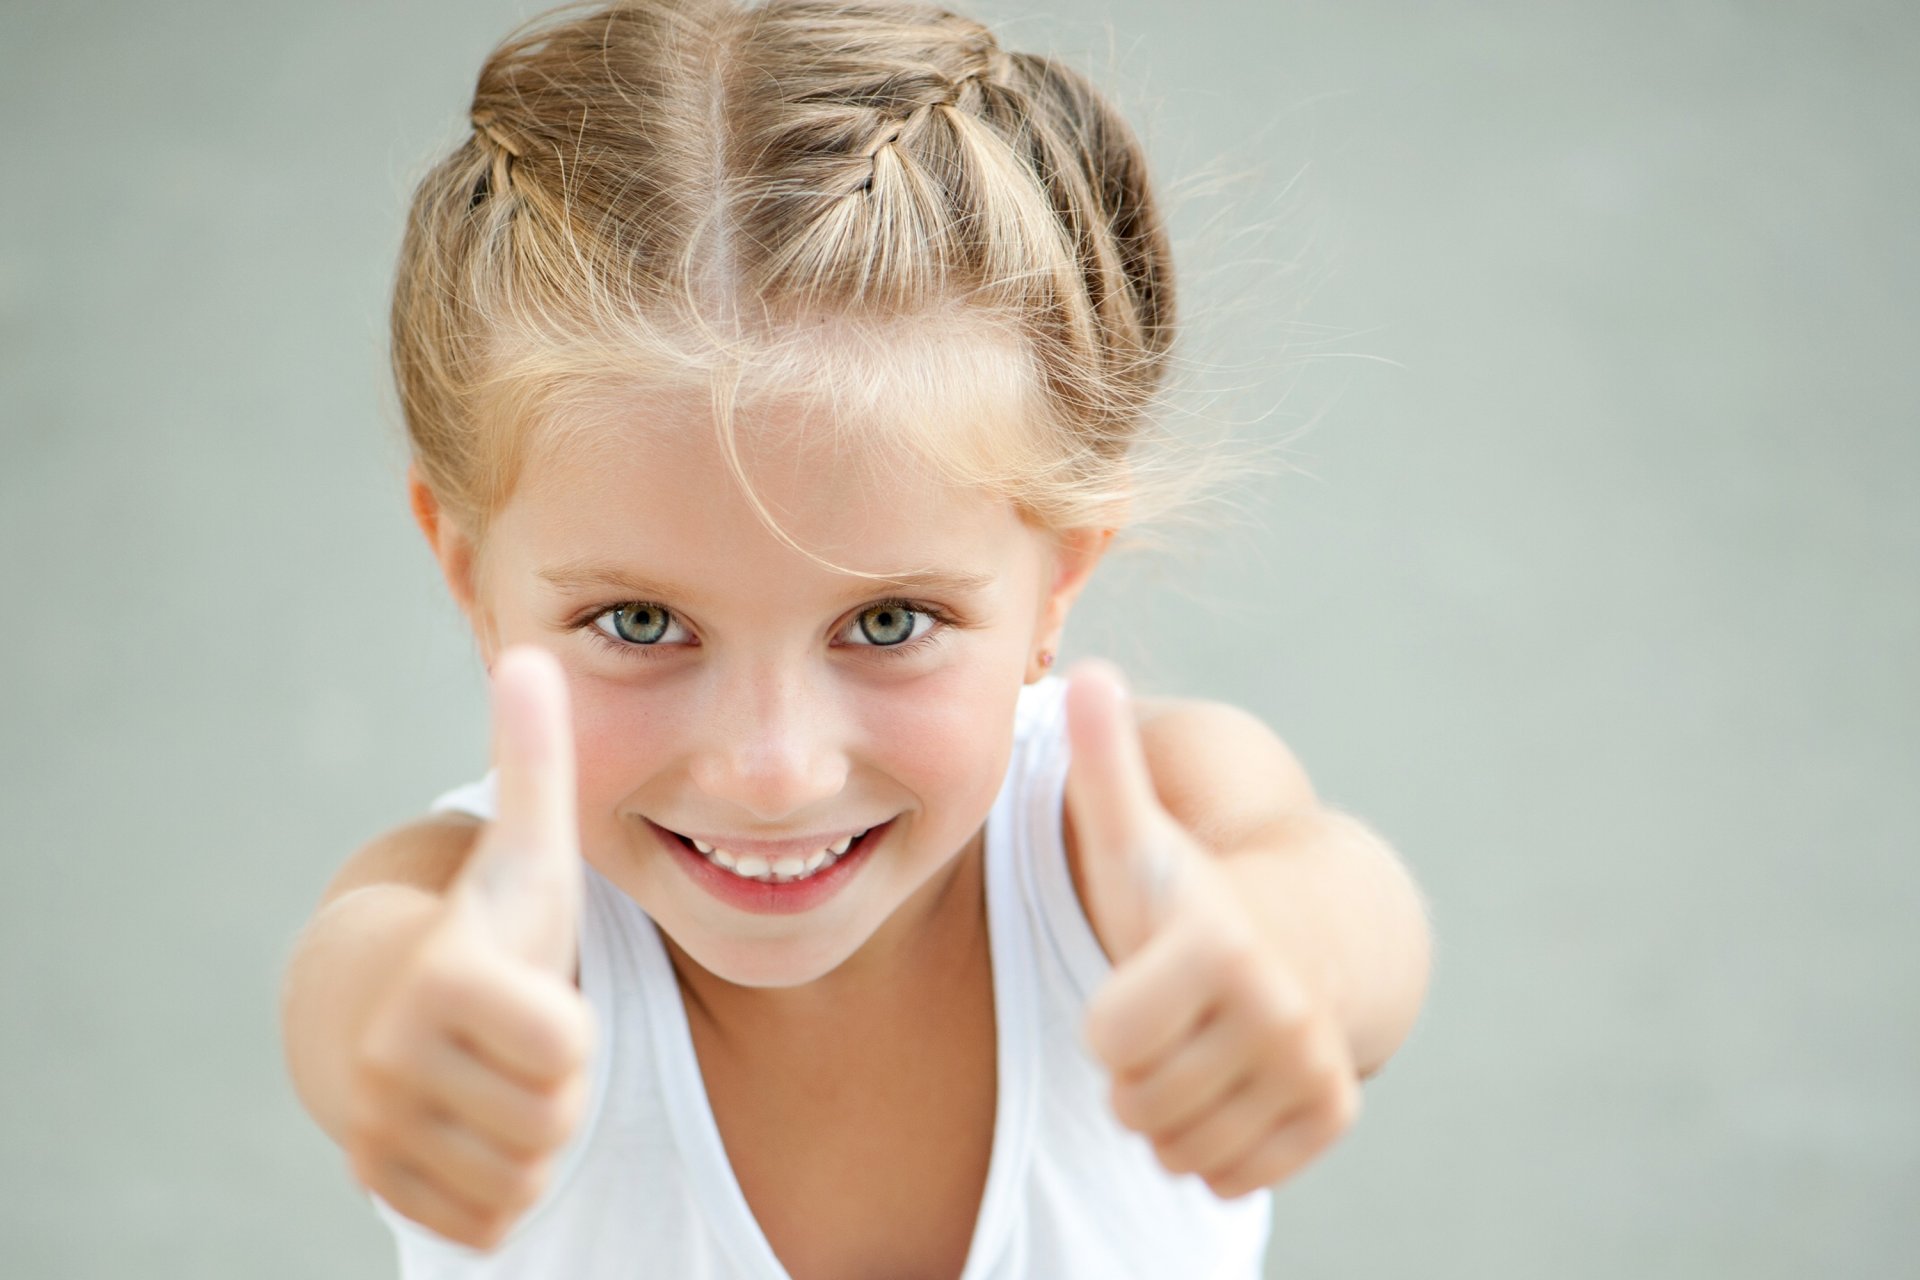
(770, 376)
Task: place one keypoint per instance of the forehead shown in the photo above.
(647, 484)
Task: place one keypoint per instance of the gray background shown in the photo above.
(1594, 588)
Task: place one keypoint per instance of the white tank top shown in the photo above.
(644, 1190)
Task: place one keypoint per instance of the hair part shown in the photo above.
(861, 205)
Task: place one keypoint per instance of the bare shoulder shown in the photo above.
(1219, 769)
(426, 853)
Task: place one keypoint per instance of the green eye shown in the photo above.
(640, 623)
(892, 623)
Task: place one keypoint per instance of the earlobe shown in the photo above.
(1076, 553)
(1038, 666)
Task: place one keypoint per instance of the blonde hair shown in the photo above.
(862, 205)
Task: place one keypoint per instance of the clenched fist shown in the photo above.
(1218, 1053)
(471, 1071)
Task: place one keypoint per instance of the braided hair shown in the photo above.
(783, 197)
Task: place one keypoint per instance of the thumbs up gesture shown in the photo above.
(471, 1071)
(1217, 1051)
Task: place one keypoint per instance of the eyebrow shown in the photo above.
(583, 575)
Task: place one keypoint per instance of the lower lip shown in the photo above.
(771, 899)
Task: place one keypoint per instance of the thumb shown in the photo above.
(523, 880)
(1130, 850)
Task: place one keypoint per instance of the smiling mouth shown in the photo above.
(787, 870)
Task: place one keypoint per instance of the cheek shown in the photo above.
(949, 739)
(621, 738)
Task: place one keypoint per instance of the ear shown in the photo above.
(1075, 554)
(450, 544)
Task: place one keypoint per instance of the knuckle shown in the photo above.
(490, 1227)
(1329, 1071)
(557, 1033)
(1265, 993)
(1226, 1186)
(460, 1231)
(1343, 1108)
(365, 1101)
(365, 1162)
(573, 1103)
(1277, 1013)
(525, 1184)
(471, 1231)
(442, 975)
(1173, 1155)
(573, 1032)
(550, 1120)
(370, 1127)
(1098, 1032)
(383, 1060)
(1308, 1137)
(1228, 961)
(363, 1147)
(1269, 1025)
(1265, 1168)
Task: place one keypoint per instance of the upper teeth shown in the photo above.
(751, 866)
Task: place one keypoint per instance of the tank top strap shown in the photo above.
(1060, 922)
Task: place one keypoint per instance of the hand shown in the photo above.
(471, 1072)
(1219, 1054)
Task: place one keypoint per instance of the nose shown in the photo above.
(770, 746)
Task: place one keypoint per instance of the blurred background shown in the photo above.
(1593, 583)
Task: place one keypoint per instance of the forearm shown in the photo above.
(1341, 908)
(338, 969)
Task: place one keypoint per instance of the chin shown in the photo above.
(788, 962)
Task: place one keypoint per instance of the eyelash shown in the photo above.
(624, 648)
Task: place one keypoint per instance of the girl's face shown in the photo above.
(728, 689)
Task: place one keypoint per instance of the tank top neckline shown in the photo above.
(697, 1134)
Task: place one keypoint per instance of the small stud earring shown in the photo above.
(1044, 659)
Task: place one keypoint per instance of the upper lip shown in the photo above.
(771, 850)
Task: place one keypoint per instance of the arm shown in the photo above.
(374, 914)
(1263, 964)
(1321, 884)
(431, 1022)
